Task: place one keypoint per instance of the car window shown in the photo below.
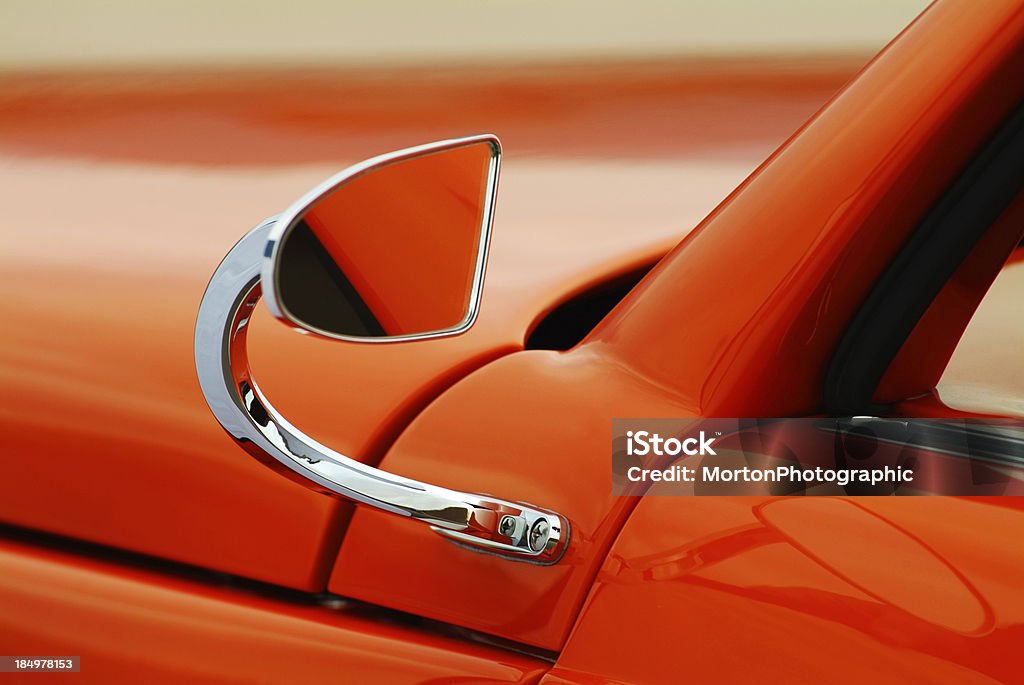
(986, 371)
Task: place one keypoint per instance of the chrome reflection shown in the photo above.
(235, 399)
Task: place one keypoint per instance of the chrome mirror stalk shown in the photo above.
(486, 524)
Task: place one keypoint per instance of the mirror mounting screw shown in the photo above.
(539, 535)
(507, 527)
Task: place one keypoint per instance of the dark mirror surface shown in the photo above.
(394, 251)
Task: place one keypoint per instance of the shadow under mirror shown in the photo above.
(396, 250)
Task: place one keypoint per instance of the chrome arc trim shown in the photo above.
(512, 530)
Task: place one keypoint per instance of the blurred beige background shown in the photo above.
(60, 34)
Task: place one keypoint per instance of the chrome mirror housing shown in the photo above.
(356, 295)
(391, 249)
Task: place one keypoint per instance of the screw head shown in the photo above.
(539, 535)
(507, 526)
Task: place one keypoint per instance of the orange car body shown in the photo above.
(125, 197)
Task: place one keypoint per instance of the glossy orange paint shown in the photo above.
(518, 427)
(131, 626)
(106, 434)
(837, 590)
(827, 212)
(739, 320)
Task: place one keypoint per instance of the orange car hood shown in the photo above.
(123, 191)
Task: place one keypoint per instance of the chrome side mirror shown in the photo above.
(391, 249)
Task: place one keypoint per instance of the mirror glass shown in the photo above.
(393, 248)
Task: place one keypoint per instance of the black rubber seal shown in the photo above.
(935, 249)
